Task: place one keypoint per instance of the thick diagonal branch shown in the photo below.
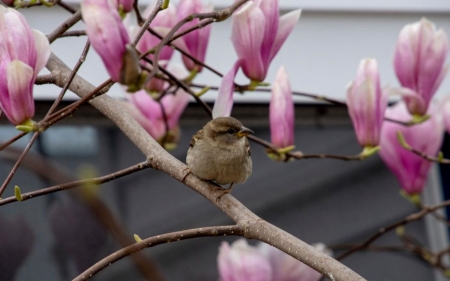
(253, 226)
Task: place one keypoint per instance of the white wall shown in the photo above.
(321, 55)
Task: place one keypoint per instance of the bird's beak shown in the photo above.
(244, 132)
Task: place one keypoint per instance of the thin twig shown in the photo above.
(12, 140)
(67, 111)
(17, 164)
(61, 29)
(407, 146)
(74, 33)
(200, 25)
(67, 7)
(413, 217)
(66, 186)
(70, 79)
(195, 60)
(229, 230)
(147, 22)
(53, 172)
(217, 16)
(139, 17)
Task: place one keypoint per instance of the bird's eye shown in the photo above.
(230, 131)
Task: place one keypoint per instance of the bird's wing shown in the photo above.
(195, 138)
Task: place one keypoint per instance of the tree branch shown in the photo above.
(231, 230)
(413, 217)
(70, 185)
(253, 227)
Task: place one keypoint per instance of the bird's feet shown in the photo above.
(224, 191)
(188, 172)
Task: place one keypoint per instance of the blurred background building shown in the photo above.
(327, 201)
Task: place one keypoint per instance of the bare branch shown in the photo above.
(230, 230)
(16, 166)
(66, 186)
(12, 140)
(413, 217)
(253, 226)
(64, 26)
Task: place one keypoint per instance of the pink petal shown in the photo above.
(242, 262)
(405, 57)
(281, 111)
(197, 40)
(224, 100)
(42, 49)
(174, 105)
(286, 25)
(432, 59)
(271, 13)
(108, 36)
(148, 113)
(20, 79)
(367, 103)
(247, 36)
(18, 41)
(286, 268)
(411, 170)
(414, 101)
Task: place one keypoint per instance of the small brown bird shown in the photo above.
(220, 152)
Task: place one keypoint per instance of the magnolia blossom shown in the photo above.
(411, 170)
(224, 100)
(162, 24)
(149, 113)
(262, 263)
(281, 111)
(258, 32)
(196, 41)
(419, 63)
(367, 103)
(286, 268)
(107, 35)
(23, 53)
(242, 262)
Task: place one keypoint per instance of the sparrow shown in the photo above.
(220, 152)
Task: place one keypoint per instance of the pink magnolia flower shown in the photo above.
(150, 115)
(419, 59)
(281, 111)
(258, 32)
(23, 53)
(107, 34)
(411, 170)
(197, 40)
(286, 268)
(242, 262)
(224, 101)
(262, 263)
(162, 24)
(367, 103)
